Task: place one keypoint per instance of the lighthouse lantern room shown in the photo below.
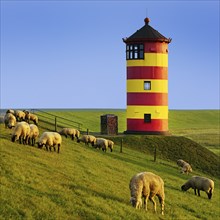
(147, 81)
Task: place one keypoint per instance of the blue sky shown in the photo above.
(70, 54)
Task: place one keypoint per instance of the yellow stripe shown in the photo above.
(157, 112)
(137, 85)
(151, 59)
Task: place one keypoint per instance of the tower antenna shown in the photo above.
(146, 13)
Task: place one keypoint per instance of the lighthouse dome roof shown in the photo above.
(147, 33)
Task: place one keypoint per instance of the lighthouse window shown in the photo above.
(147, 118)
(135, 51)
(147, 85)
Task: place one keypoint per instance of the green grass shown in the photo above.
(84, 183)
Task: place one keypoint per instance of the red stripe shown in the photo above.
(147, 72)
(136, 98)
(155, 47)
(140, 125)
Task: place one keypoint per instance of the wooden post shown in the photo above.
(121, 145)
(87, 131)
(155, 154)
(55, 123)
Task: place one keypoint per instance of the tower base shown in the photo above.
(165, 133)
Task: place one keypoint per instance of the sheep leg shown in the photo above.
(72, 136)
(198, 192)
(145, 202)
(58, 149)
(162, 204)
(154, 203)
(195, 191)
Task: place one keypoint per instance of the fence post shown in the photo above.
(55, 123)
(87, 131)
(121, 145)
(155, 154)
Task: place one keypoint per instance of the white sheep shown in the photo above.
(34, 133)
(20, 115)
(87, 139)
(199, 183)
(31, 117)
(146, 185)
(9, 120)
(186, 167)
(21, 132)
(101, 143)
(50, 139)
(72, 132)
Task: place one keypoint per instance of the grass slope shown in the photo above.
(84, 183)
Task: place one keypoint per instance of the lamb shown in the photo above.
(101, 143)
(199, 183)
(21, 132)
(87, 139)
(34, 133)
(146, 185)
(50, 139)
(71, 132)
(9, 120)
(186, 167)
(29, 116)
(20, 115)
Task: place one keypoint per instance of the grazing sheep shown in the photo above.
(31, 117)
(87, 139)
(20, 115)
(21, 132)
(72, 132)
(101, 143)
(50, 139)
(9, 120)
(10, 111)
(186, 167)
(110, 144)
(199, 183)
(34, 133)
(146, 185)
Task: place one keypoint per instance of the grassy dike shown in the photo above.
(84, 183)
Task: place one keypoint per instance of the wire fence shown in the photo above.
(53, 122)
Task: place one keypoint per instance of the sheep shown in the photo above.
(101, 143)
(34, 133)
(9, 120)
(110, 144)
(21, 132)
(87, 139)
(20, 115)
(10, 111)
(71, 132)
(186, 167)
(199, 183)
(50, 139)
(146, 185)
(29, 116)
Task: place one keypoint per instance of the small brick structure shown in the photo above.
(109, 124)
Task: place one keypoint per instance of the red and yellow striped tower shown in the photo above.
(147, 81)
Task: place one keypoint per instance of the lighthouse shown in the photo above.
(147, 81)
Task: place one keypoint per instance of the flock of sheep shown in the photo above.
(145, 185)
(28, 133)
